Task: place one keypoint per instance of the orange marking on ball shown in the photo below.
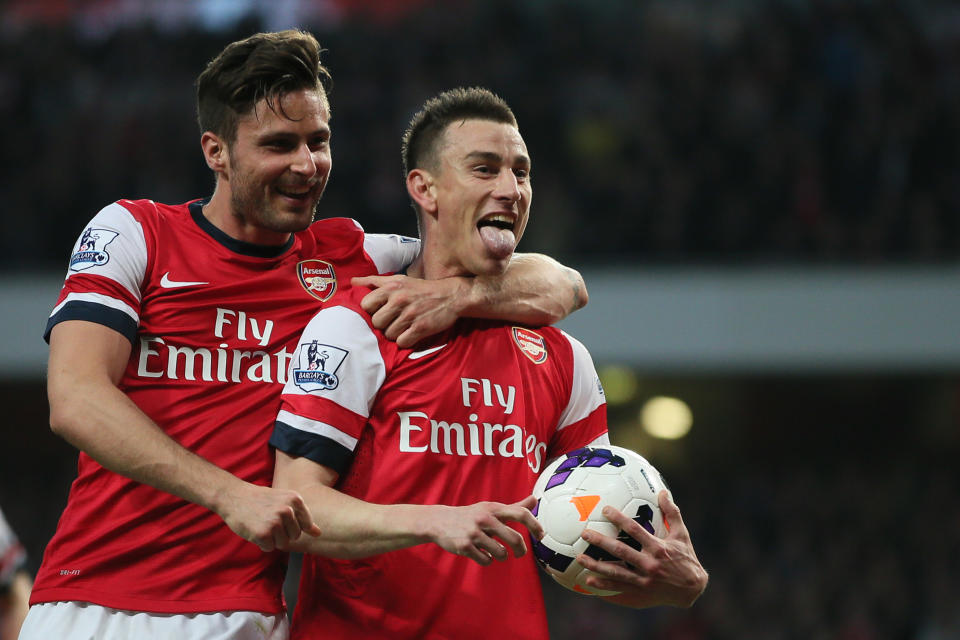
(585, 505)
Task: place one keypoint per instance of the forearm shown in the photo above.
(354, 528)
(99, 419)
(535, 290)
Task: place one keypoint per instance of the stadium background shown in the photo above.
(762, 196)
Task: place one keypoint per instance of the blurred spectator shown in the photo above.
(680, 132)
(15, 582)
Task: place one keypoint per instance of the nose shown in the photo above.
(304, 162)
(508, 188)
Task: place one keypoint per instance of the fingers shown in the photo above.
(410, 336)
(304, 518)
(373, 281)
(489, 537)
(374, 300)
(612, 571)
(671, 516)
(629, 526)
(525, 517)
(385, 315)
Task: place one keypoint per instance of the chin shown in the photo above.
(492, 268)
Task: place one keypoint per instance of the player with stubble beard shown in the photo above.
(169, 347)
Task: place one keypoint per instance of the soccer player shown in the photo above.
(169, 347)
(418, 463)
(14, 582)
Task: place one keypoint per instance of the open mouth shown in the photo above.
(500, 221)
(497, 234)
(301, 193)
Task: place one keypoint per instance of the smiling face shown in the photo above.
(274, 172)
(480, 199)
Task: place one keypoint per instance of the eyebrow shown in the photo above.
(288, 135)
(491, 156)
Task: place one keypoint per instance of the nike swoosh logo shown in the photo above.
(419, 354)
(167, 283)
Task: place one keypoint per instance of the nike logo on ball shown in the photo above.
(167, 283)
(419, 354)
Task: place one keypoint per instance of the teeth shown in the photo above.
(500, 220)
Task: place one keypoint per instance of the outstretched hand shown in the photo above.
(408, 310)
(479, 531)
(269, 518)
(664, 572)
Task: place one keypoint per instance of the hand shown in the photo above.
(408, 310)
(269, 518)
(472, 531)
(665, 572)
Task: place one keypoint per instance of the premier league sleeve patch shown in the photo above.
(317, 366)
(92, 249)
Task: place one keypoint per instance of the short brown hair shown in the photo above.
(262, 66)
(420, 140)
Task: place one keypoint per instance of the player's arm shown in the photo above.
(535, 290)
(89, 410)
(354, 528)
(14, 604)
(664, 572)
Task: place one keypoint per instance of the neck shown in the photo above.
(220, 214)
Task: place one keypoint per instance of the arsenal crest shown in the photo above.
(318, 278)
(531, 344)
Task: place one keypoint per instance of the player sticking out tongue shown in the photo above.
(496, 231)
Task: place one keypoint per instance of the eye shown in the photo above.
(522, 174)
(278, 145)
(484, 169)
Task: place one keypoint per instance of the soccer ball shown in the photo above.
(571, 494)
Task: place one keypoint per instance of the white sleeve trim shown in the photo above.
(318, 428)
(586, 393)
(360, 371)
(101, 299)
(600, 441)
(125, 253)
(390, 252)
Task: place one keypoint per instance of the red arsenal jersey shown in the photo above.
(472, 416)
(213, 323)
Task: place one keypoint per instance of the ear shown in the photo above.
(422, 191)
(214, 151)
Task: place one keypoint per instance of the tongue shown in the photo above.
(499, 242)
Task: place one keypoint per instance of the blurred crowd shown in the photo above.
(835, 550)
(719, 132)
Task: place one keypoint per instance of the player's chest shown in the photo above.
(479, 395)
(217, 302)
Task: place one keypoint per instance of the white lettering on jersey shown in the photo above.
(224, 319)
(420, 433)
(159, 359)
(467, 390)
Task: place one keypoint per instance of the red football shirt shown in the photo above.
(213, 323)
(474, 415)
